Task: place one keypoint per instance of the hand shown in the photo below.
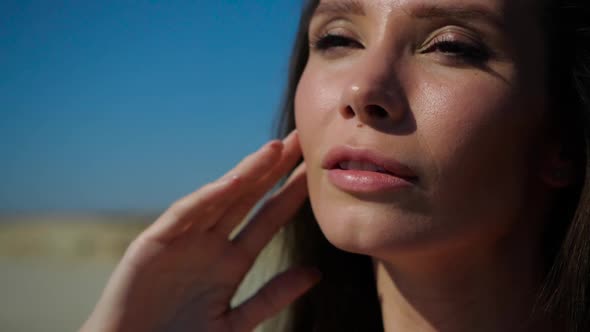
(181, 272)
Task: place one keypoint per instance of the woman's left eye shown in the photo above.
(462, 50)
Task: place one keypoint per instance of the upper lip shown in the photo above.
(341, 154)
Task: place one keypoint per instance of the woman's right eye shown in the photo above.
(329, 41)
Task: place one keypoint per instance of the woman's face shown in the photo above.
(421, 121)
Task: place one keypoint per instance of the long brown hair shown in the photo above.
(346, 298)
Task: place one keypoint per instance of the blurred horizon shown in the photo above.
(117, 108)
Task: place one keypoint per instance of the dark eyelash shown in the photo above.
(464, 51)
(330, 41)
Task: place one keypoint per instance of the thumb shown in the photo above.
(277, 294)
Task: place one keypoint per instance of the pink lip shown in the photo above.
(359, 181)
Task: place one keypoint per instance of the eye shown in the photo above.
(465, 51)
(329, 41)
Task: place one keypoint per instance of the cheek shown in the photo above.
(479, 139)
(311, 122)
(314, 112)
(303, 106)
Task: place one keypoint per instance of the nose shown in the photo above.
(373, 94)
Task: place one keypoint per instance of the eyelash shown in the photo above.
(328, 41)
(463, 51)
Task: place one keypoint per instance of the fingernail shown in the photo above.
(274, 144)
(291, 134)
(231, 179)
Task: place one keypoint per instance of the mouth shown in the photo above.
(360, 165)
(365, 171)
(366, 160)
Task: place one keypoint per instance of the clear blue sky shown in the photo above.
(128, 105)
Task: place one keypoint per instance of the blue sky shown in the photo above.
(128, 105)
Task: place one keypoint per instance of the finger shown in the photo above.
(174, 220)
(277, 211)
(273, 297)
(290, 156)
(207, 204)
(255, 165)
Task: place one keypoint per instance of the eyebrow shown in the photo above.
(460, 13)
(350, 7)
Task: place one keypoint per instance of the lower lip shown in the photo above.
(356, 181)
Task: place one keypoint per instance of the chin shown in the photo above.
(369, 228)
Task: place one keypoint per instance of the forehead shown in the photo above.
(383, 7)
(518, 18)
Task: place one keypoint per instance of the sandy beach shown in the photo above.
(52, 269)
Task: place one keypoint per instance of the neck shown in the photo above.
(464, 290)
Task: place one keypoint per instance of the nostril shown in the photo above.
(376, 111)
(348, 112)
